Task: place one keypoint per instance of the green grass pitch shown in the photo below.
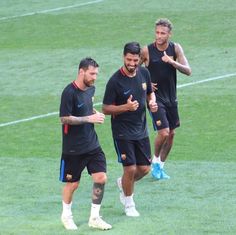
(40, 50)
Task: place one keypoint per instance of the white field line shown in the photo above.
(36, 117)
(207, 80)
(51, 10)
(97, 104)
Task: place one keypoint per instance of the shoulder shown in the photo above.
(115, 76)
(144, 49)
(144, 71)
(113, 79)
(68, 89)
(179, 52)
(177, 47)
(144, 58)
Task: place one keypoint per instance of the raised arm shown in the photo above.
(181, 64)
(118, 109)
(94, 118)
(144, 58)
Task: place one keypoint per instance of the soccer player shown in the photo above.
(81, 147)
(126, 94)
(163, 58)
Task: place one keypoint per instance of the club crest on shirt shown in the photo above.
(158, 122)
(123, 156)
(144, 85)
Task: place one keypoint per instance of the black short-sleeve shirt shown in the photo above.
(132, 124)
(78, 139)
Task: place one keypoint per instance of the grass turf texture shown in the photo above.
(39, 55)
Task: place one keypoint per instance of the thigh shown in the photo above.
(173, 117)
(71, 167)
(125, 150)
(143, 152)
(96, 161)
(159, 118)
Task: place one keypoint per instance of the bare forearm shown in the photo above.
(72, 120)
(96, 117)
(181, 64)
(185, 69)
(151, 97)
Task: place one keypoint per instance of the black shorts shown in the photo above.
(133, 152)
(165, 117)
(73, 165)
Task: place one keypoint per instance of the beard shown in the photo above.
(88, 83)
(130, 70)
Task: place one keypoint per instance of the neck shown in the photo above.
(80, 84)
(162, 47)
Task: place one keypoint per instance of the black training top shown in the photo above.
(163, 74)
(132, 124)
(78, 139)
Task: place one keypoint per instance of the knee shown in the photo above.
(145, 170)
(103, 179)
(130, 170)
(164, 134)
(100, 178)
(171, 135)
(72, 186)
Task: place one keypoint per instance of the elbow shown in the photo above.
(104, 110)
(189, 72)
(62, 119)
(65, 120)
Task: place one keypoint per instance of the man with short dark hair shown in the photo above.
(125, 99)
(163, 58)
(81, 147)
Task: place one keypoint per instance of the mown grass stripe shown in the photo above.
(51, 10)
(99, 103)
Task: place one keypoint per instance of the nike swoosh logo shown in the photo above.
(80, 105)
(127, 92)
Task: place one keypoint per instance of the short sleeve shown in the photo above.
(66, 103)
(147, 76)
(110, 93)
(149, 84)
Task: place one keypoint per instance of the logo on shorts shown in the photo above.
(123, 156)
(144, 85)
(158, 122)
(69, 177)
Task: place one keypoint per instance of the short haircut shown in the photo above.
(132, 48)
(86, 62)
(164, 22)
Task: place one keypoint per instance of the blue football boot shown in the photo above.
(156, 171)
(164, 176)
